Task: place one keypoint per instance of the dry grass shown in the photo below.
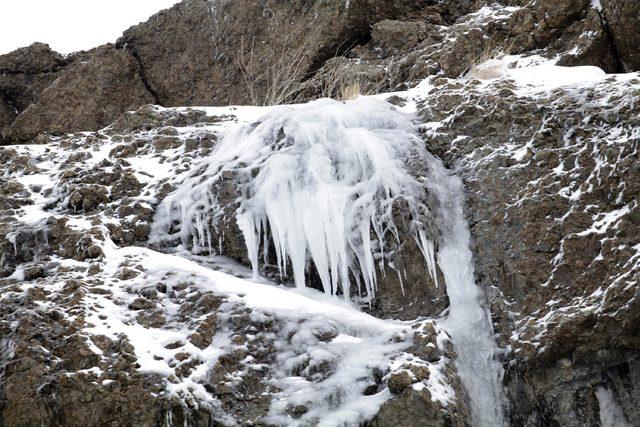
(281, 78)
(276, 80)
(344, 80)
(488, 64)
(350, 91)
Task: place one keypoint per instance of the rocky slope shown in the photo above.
(552, 175)
(101, 323)
(149, 338)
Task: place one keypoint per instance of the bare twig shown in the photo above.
(277, 80)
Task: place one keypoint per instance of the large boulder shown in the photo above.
(37, 58)
(623, 19)
(24, 74)
(88, 95)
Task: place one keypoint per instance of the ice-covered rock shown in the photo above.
(318, 184)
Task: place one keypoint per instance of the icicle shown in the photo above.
(319, 183)
(428, 252)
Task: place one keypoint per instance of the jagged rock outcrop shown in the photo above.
(192, 54)
(229, 52)
(622, 18)
(553, 206)
(593, 46)
(24, 74)
(94, 92)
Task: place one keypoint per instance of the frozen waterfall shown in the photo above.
(318, 183)
(611, 414)
(469, 320)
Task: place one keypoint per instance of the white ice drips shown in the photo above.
(468, 321)
(611, 414)
(318, 180)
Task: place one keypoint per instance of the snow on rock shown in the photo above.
(548, 157)
(536, 73)
(325, 350)
(317, 181)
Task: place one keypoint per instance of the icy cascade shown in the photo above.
(468, 322)
(317, 180)
(611, 414)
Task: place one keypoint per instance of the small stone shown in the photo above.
(421, 372)
(182, 356)
(142, 304)
(33, 272)
(398, 381)
(298, 411)
(198, 340)
(174, 345)
(370, 390)
(94, 269)
(94, 251)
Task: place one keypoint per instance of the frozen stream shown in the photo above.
(318, 182)
(468, 321)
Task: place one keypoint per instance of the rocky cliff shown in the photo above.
(125, 292)
(202, 52)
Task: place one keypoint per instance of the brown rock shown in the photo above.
(623, 19)
(392, 36)
(26, 72)
(94, 251)
(592, 46)
(200, 66)
(399, 380)
(88, 95)
(8, 113)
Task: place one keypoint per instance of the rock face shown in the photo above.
(622, 18)
(192, 54)
(593, 46)
(233, 52)
(94, 91)
(8, 113)
(24, 74)
(554, 215)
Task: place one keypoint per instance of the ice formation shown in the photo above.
(469, 321)
(611, 414)
(317, 182)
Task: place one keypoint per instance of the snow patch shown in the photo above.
(538, 72)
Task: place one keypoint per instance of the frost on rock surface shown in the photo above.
(318, 183)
